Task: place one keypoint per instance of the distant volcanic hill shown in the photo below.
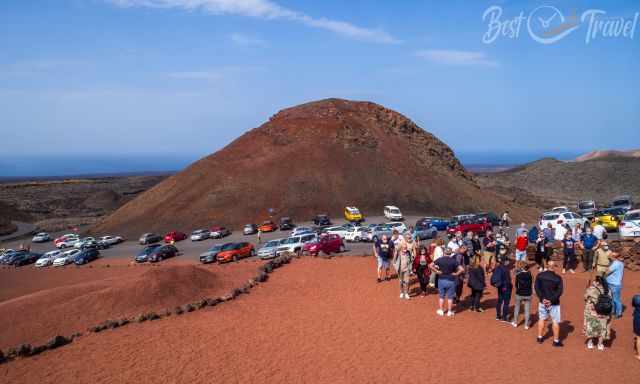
(312, 158)
(611, 153)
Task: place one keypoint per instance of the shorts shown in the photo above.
(521, 255)
(382, 262)
(488, 256)
(553, 311)
(447, 288)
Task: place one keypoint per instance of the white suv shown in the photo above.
(392, 213)
(561, 218)
(630, 225)
(294, 244)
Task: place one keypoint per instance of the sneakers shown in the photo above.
(515, 325)
(440, 312)
(572, 271)
(379, 280)
(557, 343)
(450, 314)
(600, 347)
(590, 344)
(406, 296)
(564, 271)
(402, 295)
(479, 310)
(526, 327)
(540, 340)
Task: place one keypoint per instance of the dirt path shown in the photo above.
(327, 321)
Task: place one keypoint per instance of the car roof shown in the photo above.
(633, 212)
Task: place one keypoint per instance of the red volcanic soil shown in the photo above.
(336, 325)
(36, 304)
(313, 158)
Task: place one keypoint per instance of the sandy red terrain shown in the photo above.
(328, 321)
(38, 304)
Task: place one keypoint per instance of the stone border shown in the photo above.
(27, 350)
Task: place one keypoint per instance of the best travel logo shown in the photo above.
(548, 25)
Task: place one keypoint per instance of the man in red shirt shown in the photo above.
(522, 241)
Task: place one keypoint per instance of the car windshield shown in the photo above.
(292, 240)
(550, 216)
(228, 247)
(394, 210)
(586, 205)
(632, 216)
(619, 202)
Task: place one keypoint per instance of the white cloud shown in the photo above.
(265, 9)
(247, 41)
(452, 57)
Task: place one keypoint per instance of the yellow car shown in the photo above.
(352, 214)
(609, 218)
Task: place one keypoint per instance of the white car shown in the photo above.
(83, 241)
(561, 218)
(301, 230)
(338, 230)
(392, 213)
(400, 227)
(357, 234)
(630, 224)
(66, 257)
(41, 237)
(67, 242)
(48, 258)
(294, 244)
(200, 234)
(111, 240)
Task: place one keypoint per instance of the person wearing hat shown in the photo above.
(447, 269)
(614, 280)
(601, 259)
(636, 322)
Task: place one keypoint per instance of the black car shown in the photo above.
(286, 224)
(163, 252)
(491, 218)
(321, 220)
(150, 238)
(87, 255)
(144, 254)
(23, 258)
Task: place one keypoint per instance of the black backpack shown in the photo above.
(496, 277)
(604, 304)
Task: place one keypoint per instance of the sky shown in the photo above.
(180, 79)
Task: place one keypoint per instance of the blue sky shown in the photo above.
(185, 77)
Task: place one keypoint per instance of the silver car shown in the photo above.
(378, 231)
(268, 251)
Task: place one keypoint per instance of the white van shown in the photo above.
(392, 213)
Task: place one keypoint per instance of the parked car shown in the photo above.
(398, 226)
(625, 202)
(66, 257)
(250, 229)
(87, 256)
(392, 213)
(353, 215)
(66, 241)
(479, 225)
(439, 222)
(560, 209)
(85, 240)
(267, 226)
(321, 220)
(111, 240)
(21, 258)
(295, 244)
(378, 231)
(491, 217)
(41, 237)
(338, 230)
(236, 251)
(630, 225)
(150, 238)
(200, 234)
(163, 252)
(587, 208)
(301, 230)
(610, 218)
(561, 218)
(143, 255)
(424, 232)
(286, 224)
(174, 236)
(93, 244)
(327, 244)
(218, 232)
(6, 255)
(464, 216)
(211, 254)
(47, 259)
(268, 251)
(357, 234)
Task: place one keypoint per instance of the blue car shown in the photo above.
(440, 223)
(424, 232)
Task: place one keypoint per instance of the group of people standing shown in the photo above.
(467, 258)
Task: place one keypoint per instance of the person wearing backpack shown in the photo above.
(524, 290)
(597, 313)
(614, 280)
(501, 280)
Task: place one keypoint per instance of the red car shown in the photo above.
(326, 243)
(267, 226)
(479, 225)
(174, 236)
(235, 251)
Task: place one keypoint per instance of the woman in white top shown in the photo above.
(438, 252)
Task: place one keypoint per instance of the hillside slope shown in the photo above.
(316, 157)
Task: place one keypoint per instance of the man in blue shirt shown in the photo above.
(614, 279)
(589, 244)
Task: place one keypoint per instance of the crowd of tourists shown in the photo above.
(445, 266)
